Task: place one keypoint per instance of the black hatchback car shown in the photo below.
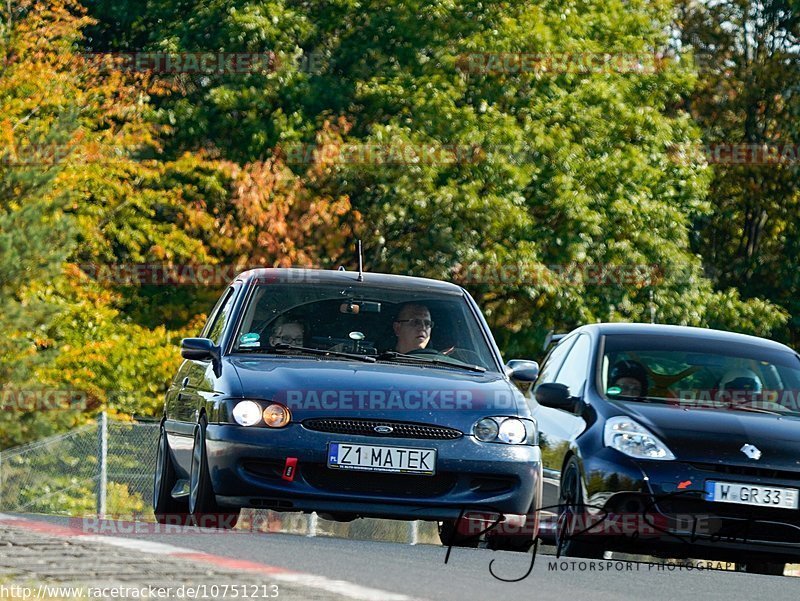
(673, 441)
(349, 395)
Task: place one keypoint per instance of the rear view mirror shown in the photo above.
(356, 307)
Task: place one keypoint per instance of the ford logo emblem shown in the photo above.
(383, 429)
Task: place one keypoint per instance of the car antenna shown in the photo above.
(360, 264)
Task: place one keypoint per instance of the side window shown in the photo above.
(574, 370)
(553, 361)
(220, 319)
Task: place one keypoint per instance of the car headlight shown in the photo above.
(247, 413)
(627, 436)
(277, 416)
(512, 431)
(486, 429)
(509, 430)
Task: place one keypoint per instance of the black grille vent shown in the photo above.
(741, 470)
(383, 429)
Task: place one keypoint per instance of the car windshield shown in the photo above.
(399, 325)
(698, 372)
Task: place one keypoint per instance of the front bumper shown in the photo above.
(247, 467)
(659, 507)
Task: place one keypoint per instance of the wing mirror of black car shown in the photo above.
(201, 349)
(555, 395)
(523, 373)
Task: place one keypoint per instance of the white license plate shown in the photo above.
(749, 494)
(369, 458)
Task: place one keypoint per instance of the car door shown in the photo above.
(568, 364)
(194, 382)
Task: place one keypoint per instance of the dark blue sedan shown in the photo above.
(350, 395)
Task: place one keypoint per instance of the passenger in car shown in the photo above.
(630, 377)
(412, 326)
(287, 331)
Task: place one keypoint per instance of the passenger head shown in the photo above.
(286, 331)
(630, 377)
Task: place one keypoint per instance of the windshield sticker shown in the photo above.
(614, 391)
(250, 339)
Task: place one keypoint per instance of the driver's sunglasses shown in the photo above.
(291, 340)
(417, 323)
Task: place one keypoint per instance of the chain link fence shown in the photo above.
(106, 469)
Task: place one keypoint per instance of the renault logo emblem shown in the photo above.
(383, 429)
(751, 451)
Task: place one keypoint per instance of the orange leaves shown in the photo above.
(281, 219)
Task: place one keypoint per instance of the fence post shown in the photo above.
(413, 532)
(311, 524)
(102, 439)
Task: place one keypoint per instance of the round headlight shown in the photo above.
(486, 429)
(276, 416)
(512, 431)
(247, 413)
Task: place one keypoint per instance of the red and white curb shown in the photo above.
(339, 587)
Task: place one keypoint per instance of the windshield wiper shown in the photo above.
(426, 360)
(283, 348)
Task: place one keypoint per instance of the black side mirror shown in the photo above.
(201, 349)
(555, 395)
(523, 373)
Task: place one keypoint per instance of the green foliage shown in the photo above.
(749, 72)
(555, 173)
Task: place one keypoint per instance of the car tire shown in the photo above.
(203, 508)
(571, 503)
(167, 510)
(768, 568)
(451, 537)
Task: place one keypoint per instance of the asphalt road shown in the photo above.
(420, 571)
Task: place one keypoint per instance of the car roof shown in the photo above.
(654, 329)
(300, 275)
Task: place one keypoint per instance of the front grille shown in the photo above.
(377, 484)
(366, 427)
(747, 470)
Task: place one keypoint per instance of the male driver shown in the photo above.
(285, 331)
(412, 326)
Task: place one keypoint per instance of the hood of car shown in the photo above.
(719, 435)
(330, 389)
